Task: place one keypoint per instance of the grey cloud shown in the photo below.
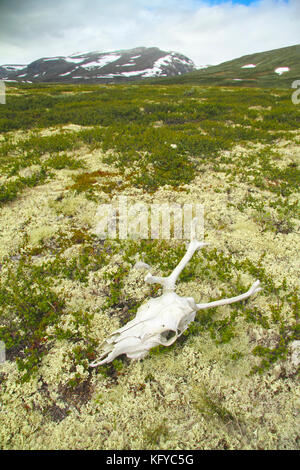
(37, 28)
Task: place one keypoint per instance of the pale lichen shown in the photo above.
(199, 395)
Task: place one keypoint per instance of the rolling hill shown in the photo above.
(277, 68)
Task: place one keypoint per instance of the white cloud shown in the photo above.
(206, 34)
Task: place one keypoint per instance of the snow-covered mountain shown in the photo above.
(101, 67)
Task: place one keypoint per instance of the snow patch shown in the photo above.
(128, 65)
(67, 73)
(248, 66)
(158, 64)
(281, 70)
(102, 61)
(50, 58)
(109, 75)
(131, 74)
(13, 67)
(74, 60)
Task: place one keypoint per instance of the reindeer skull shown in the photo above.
(161, 320)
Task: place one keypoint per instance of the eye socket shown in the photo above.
(167, 335)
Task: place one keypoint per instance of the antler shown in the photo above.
(253, 289)
(168, 283)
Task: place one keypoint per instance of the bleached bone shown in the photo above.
(161, 320)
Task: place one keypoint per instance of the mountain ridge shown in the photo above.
(101, 67)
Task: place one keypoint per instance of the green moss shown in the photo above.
(212, 405)
(60, 161)
(127, 126)
(10, 190)
(28, 305)
(154, 435)
(269, 356)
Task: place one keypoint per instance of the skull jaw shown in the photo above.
(134, 348)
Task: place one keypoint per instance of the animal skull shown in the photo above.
(161, 320)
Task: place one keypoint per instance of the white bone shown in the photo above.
(161, 320)
(253, 290)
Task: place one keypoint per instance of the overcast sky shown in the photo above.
(208, 32)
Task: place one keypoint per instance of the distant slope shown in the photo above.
(277, 68)
(101, 67)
